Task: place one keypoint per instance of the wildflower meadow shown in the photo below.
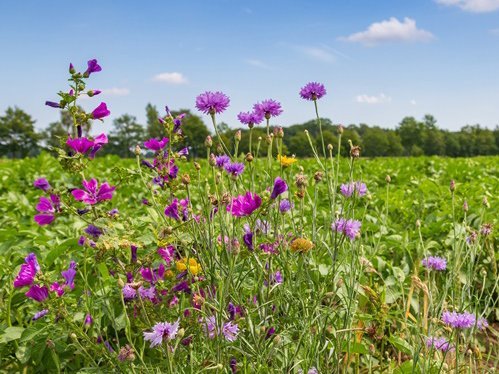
(244, 261)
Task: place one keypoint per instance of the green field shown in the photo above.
(339, 304)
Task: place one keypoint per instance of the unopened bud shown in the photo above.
(197, 166)
(249, 157)
(340, 129)
(485, 202)
(418, 223)
(388, 179)
(71, 69)
(169, 230)
(318, 176)
(277, 339)
(259, 138)
(329, 147)
(186, 179)
(237, 136)
(452, 185)
(465, 206)
(219, 148)
(218, 177)
(208, 142)
(268, 139)
(138, 151)
(92, 93)
(279, 132)
(181, 333)
(213, 160)
(73, 336)
(121, 284)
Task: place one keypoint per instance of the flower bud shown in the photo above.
(71, 69)
(452, 185)
(249, 157)
(277, 339)
(121, 284)
(268, 139)
(318, 176)
(181, 333)
(186, 179)
(465, 206)
(418, 223)
(73, 336)
(485, 202)
(219, 148)
(329, 147)
(208, 142)
(197, 166)
(138, 151)
(237, 136)
(169, 230)
(340, 129)
(279, 132)
(212, 160)
(259, 138)
(218, 177)
(92, 93)
(388, 179)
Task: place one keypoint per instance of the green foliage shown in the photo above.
(17, 134)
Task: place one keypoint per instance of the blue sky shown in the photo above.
(380, 60)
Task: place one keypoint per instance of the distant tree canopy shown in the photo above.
(412, 137)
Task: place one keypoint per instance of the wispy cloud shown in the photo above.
(474, 6)
(391, 30)
(323, 53)
(379, 99)
(257, 63)
(170, 78)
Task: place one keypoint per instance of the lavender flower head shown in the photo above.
(221, 161)
(348, 190)
(268, 108)
(312, 91)
(212, 102)
(234, 169)
(250, 118)
(434, 263)
(456, 320)
(349, 228)
(162, 331)
(440, 344)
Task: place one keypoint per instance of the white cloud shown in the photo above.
(475, 6)
(170, 78)
(115, 91)
(257, 63)
(413, 102)
(318, 53)
(391, 30)
(366, 99)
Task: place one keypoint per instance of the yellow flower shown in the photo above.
(194, 267)
(286, 161)
(301, 245)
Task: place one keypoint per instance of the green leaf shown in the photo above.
(355, 347)
(400, 344)
(11, 333)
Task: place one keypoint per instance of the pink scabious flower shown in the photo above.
(312, 91)
(212, 102)
(250, 118)
(440, 344)
(456, 320)
(38, 293)
(349, 228)
(93, 194)
(100, 112)
(162, 331)
(280, 187)
(347, 190)
(47, 209)
(27, 272)
(268, 108)
(244, 205)
(156, 144)
(92, 67)
(434, 263)
(42, 184)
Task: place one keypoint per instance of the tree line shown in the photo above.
(19, 138)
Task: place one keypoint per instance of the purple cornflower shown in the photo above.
(93, 193)
(88, 320)
(42, 184)
(27, 272)
(434, 263)
(147, 293)
(230, 331)
(100, 112)
(350, 228)
(234, 169)
(482, 323)
(212, 102)
(284, 205)
(40, 314)
(221, 161)
(92, 67)
(440, 344)
(250, 118)
(244, 205)
(456, 320)
(268, 108)
(38, 293)
(129, 292)
(47, 209)
(280, 187)
(347, 190)
(93, 231)
(172, 210)
(312, 91)
(162, 331)
(69, 275)
(53, 104)
(156, 144)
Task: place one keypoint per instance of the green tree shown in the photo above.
(18, 137)
(154, 129)
(126, 134)
(53, 134)
(194, 133)
(374, 142)
(411, 134)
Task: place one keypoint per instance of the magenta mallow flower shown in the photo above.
(250, 118)
(88, 320)
(27, 272)
(83, 145)
(172, 210)
(280, 187)
(440, 344)
(42, 184)
(92, 67)
(100, 112)
(312, 91)
(434, 263)
(347, 190)
(167, 254)
(47, 209)
(69, 275)
(463, 320)
(212, 102)
(349, 228)
(156, 144)
(93, 194)
(244, 205)
(234, 169)
(162, 331)
(268, 108)
(38, 293)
